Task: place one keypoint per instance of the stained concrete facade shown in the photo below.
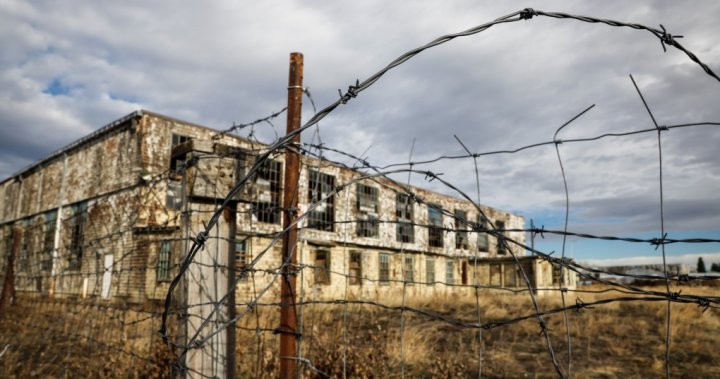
(108, 211)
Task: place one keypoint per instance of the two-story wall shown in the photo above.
(111, 216)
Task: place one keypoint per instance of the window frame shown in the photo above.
(355, 268)
(435, 226)
(367, 219)
(78, 224)
(430, 270)
(162, 270)
(384, 268)
(269, 212)
(321, 273)
(320, 191)
(461, 234)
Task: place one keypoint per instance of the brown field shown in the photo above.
(616, 340)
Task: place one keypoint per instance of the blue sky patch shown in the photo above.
(57, 88)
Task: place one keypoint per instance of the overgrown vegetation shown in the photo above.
(616, 340)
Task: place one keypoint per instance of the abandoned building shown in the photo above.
(110, 215)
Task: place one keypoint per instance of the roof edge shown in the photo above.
(77, 143)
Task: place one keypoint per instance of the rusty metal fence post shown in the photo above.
(288, 315)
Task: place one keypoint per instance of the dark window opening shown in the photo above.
(435, 229)
(502, 247)
(405, 232)
(367, 210)
(461, 236)
(321, 187)
(267, 192)
(482, 236)
(77, 235)
(177, 162)
(49, 240)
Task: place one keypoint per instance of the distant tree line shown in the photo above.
(714, 267)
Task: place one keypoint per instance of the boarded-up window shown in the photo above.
(430, 270)
(322, 267)
(384, 268)
(320, 190)
(404, 212)
(355, 268)
(163, 266)
(409, 269)
(461, 236)
(367, 211)
(510, 275)
(435, 230)
(77, 235)
(482, 236)
(449, 271)
(267, 192)
(495, 275)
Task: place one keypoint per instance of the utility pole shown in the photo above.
(288, 315)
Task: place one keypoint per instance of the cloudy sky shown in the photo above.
(68, 68)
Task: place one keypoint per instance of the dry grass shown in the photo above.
(617, 340)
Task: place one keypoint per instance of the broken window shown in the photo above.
(482, 237)
(435, 229)
(174, 199)
(322, 267)
(163, 265)
(461, 237)
(384, 268)
(430, 270)
(77, 235)
(355, 268)
(267, 192)
(449, 272)
(409, 267)
(367, 211)
(49, 240)
(177, 162)
(404, 212)
(242, 258)
(320, 189)
(502, 247)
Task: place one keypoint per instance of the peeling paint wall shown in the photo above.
(125, 180)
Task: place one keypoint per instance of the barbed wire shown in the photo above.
(143, 309)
